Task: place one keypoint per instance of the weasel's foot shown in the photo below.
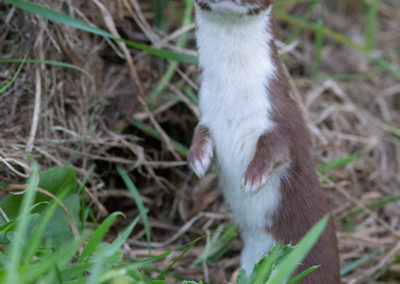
(255, 176)
(200, 156)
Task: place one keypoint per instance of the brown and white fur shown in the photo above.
(257, 134)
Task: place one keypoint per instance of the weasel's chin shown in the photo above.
(230, 7)
(229, 3)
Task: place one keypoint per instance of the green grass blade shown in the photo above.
(136, 197)
(306, 16)
(304, 24)
(289, 265)
(220, 242)
(339, 163)
(188, 247)
(358, 262)
(371, 20)
(98, 235)
(371, 206)
(59, 258)
(263, 268)
(385, 65)
(82, 192)
(162, 53)
(318, 48)
(120, 240)
(39, 229)
(303, 274)
(96, 272)
(15, 75)
(73, 272)
(159, 7)
(179, 148)
(70, 21)
(57, 16)
(191, 95)
(147, 261)
(9, 226)
(16, 249)
(52, 63)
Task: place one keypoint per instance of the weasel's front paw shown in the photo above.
(255, 176)
(200, 156)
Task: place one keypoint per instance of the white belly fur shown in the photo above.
(235, 107)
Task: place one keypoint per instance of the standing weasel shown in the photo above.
(257, 133)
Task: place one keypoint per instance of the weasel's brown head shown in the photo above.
(249, 7)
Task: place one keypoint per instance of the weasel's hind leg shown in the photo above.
(256, 244)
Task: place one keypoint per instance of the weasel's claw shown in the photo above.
(200, 158)
(200, 166)
(256, 176)
(253, 184)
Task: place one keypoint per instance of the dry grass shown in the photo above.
(345, 116)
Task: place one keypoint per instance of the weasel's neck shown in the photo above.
(235, 43)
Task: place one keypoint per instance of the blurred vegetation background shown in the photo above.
(100, 84)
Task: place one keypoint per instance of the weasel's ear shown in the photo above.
(263, 3)
(203, 5)
(268, 2)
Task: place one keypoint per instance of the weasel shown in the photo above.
(256, 132)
